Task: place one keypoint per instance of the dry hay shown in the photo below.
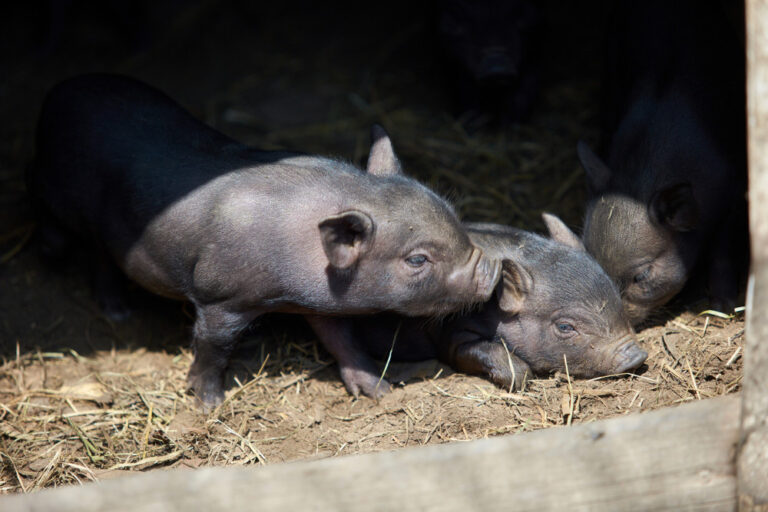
(66, 418)
(82, 399)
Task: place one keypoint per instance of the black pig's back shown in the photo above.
(107, 143)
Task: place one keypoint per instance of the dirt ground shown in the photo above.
(83, 399)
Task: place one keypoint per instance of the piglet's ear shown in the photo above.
(675, 207)
(598, 174)
(382, 160)
(346, 237)
(559, 232)
(513, 287)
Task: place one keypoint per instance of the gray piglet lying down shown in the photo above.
(190, 214)
(554, 304)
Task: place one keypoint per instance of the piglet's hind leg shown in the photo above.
(109, 287)
(216, 332)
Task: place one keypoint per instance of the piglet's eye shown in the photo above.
(641, 276)
(416, 260)
(565, 327)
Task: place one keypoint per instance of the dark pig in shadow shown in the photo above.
(553, 304)
(189, 213)
(668, 200)
(491, 51)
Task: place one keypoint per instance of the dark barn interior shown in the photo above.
(84, 398)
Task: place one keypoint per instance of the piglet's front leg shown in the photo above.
(723, 265)
(358, 371)
(489, 359)
(216, 333)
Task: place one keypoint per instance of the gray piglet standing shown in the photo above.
(189, 213)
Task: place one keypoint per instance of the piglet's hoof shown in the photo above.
(722, 304)
(360, 381)
(511, 376)
(207, 389)
(115, 309)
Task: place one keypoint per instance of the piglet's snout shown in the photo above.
(629, 356)
(487, 275)
(477, 279)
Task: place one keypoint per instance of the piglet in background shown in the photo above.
(667, 200)
(491, 49)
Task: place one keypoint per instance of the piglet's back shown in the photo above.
(116, 139)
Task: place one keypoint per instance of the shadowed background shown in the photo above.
(312, 77)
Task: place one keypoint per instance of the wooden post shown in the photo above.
(752, 464)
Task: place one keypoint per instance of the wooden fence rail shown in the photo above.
(675, 459)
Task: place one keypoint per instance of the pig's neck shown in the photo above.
(663, 141)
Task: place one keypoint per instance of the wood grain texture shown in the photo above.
(753, 454)
(675, 459)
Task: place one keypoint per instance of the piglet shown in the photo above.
(670, 194)
(553, 306)
(190, 214)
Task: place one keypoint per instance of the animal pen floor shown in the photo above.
(84, 399)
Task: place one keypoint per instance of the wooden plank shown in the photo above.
(675, 459)
(753, 455)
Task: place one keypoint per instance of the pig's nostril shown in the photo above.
(637, 357)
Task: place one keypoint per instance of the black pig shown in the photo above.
(491, 49)
(670, 194)
(554, 303)
(189, 213)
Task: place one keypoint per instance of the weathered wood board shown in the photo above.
(679, 458)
